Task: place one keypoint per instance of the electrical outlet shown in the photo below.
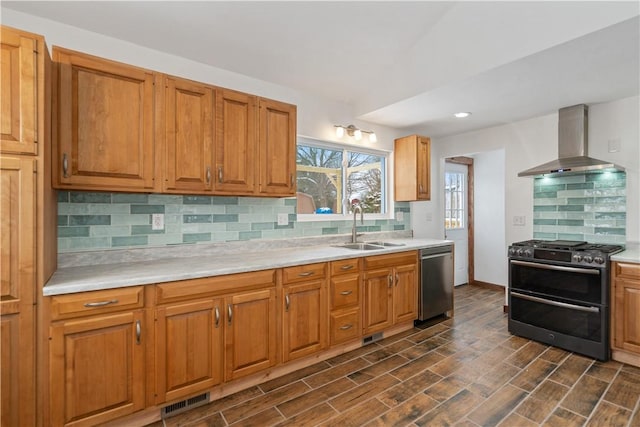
(400, 216)
(157, 221)
(283, 219)
(519, 220)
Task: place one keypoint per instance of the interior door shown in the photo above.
(456, 227)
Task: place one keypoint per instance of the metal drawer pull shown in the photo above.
(287, 301)
(230, 313)
(306, 274)
(217, 314)
(65, 166)
(208, 174)
(346, 293)
(346, 267)
(556, 303)
(347, 326)
(101, 303)
(138, 332)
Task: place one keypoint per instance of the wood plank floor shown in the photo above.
(465, 371)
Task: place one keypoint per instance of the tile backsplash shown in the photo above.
(96, 221)
(590, 207)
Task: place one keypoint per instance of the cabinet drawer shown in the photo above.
(623, 269)
(391, 260)
(301, 273)
(345, 326)
(345, 291)
(97, 302)
(345, 266)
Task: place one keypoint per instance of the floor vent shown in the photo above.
(184, 405)
(372, 338)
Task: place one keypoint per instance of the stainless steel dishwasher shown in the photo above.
(436, 281)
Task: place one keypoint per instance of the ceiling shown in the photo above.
(400, 64)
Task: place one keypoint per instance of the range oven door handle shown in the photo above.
(556, 267)
(556, 303)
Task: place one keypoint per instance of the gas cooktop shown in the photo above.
(570, 245)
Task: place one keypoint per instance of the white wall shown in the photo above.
(528, 143)
(316, 116)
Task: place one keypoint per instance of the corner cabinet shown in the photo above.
(105, 124)
(412, 168)
(625, 312)
(390, 290)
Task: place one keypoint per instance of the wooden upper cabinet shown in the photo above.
(277, 142)
(235, 148)
(412, 166)
(20, 91)
(189, 164)
(105, 128)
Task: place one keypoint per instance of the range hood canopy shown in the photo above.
(572, 146)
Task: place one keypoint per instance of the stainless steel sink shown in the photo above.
(381, 243)
(360, 246)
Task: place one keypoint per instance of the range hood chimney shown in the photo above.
(572, 146)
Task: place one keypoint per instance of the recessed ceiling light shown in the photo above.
(462, 114)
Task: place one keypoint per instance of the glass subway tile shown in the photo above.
(86, 197)
(89, 220)
(129, 241)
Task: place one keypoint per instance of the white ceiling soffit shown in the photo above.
(398, 63)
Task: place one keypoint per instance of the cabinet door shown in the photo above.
(189, 122)
(250, 336)
(627, 314)
(235, 151)
(97, 369)
(19, 92)
(378, 308)
(405, 293)
(189, 352)
(305, 318)
(105, 137)
(277, 148)
(423, 168)
(17, 283)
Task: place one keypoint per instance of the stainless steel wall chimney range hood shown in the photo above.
(572, 146)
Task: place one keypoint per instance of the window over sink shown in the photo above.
(332, 177)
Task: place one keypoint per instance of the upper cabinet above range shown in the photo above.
(123, 128)
(104, 138)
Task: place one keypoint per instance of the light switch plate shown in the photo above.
(157, 221)
(519, 220)
(283, 219)
(400, 216)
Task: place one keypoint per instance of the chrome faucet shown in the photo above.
(354, 235)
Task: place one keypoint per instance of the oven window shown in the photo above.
(586, 325)
(576, 285)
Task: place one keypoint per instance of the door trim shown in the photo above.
(468, 161)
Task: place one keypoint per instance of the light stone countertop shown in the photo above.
(630, 254)
(109, 276)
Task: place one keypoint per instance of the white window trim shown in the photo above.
(388, 154)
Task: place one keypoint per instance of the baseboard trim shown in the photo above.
(487, 285)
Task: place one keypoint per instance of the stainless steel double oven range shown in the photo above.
(559, 294)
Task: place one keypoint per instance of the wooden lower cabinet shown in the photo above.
(625, 312)
(250, 334)
(189, 351)
(405, 293)
(345, 295)
(378, 300)
(97, 368)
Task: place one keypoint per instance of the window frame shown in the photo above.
(387, 197)
(462, 201)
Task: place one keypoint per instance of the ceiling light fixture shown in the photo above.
(462, 114)
(354, 132)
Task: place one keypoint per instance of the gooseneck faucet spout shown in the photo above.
(354, 235)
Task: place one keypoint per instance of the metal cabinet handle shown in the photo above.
(346, 267)
(390, 278)
(421, 188)
(208, 174)
(220, 174)
(306, 274)
(291, 180)
(287, 302)
(101, 303)
(230, 313)
(65, 166)
(347, 326)
(397, 279)
(138, 332)
(217, 315)
(346, 293)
